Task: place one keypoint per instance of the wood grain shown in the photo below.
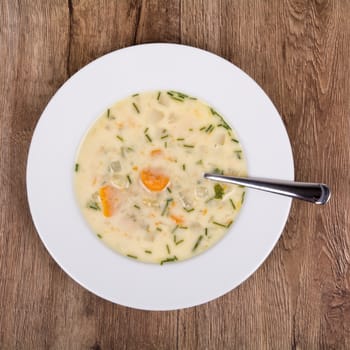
(298, 51)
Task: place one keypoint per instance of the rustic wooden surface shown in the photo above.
(299, 52)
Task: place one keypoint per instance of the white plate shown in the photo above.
(74, 108)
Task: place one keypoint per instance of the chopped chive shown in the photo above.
(238, 154)
(218, 224)
(233, 204)
(136, 108)
(99, 236)
(159, 229)
(168, 189)
(202, 128)
(148, 138)
(218, 171)
(242, 200)
(174, 258)
(129, 149)
(175, 228)
(189, 146)
(190, 129)
(214, 112)
(234, 140)
(223, 126)
(180, 94)
(206, 231)
(120, 138)
(108, 113)
(165, 144)
(76, 167)
(168, 249)
(145, 131)
(122, 152)
(131, 256)
(183, 167)
(199, 162)
(180, 139)
(166, 206)
(210, 199)
(197, 243)
(175, 239)
(219, 191)
(148, 251)
(192, 98)
(134, 95)
(136, 206)
(189, 210)
(128, 177)
(209, 127)
(158, 96)
(183, 227)
(229, 224)
(179, 242)
(164, 137)
(240, 186)
(93, 205)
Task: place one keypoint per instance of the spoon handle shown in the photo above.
(310, 192)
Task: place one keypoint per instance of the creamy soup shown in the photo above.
(139, 177)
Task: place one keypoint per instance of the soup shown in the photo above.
(139, 177)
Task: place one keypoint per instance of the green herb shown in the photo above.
(175, 228)
(99, 236)
(148, 138)
(128, 177)
(145, 131)
(179, 242)
(229, 224)
(238, 154)
(218, 224)
(136, 206)
(210, 199)
(135, 95)
(122, 152)
(164, 137)
(206, 231)
(223, 123)
(76, 167)
(202, 128)
(174, 97)
(199, 162)
(183, 227)
(166, 206)
(120, 138)
(219, 191)
(183, 167)
(93, 205)
(190, 129)
(223, 126)
(242, 200)
(168, 249)
(108, 113)
(168, 189)
(129, 149)
(218, 171)
(189, 210)
(180, 94)
(159, 229)
(197, 243)
(233, 204)
(209, 128)
(131, 256)
(148, 251)
(234, 140)
(174, 258)
(180, 139)
(136, 108)
(158, 96)
(165, 144)
(189, 146)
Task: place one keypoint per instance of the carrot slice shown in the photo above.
(178, 219)
(154, 180)
(108, 195)
(156, 152)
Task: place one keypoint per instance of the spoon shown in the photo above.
(311, 192)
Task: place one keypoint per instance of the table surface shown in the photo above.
(298, 51)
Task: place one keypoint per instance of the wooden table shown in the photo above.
(299, 52)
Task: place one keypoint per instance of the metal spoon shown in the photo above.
(310, 192)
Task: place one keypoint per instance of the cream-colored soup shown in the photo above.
(139, 177)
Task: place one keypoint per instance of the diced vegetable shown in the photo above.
(154, 180)
(109, 197)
